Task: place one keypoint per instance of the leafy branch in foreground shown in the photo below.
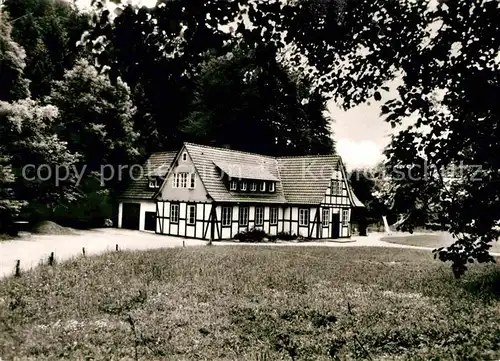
(442, 58)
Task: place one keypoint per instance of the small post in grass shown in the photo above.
(83, 251)
(183, 243)
(117, 247)
(51, 259)
(18, 268)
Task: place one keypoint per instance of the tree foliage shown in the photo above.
(48, 30)
(169, 53)
(265, 109)
(96, 116)
(13, 84)
(36, 153)
(444, 57)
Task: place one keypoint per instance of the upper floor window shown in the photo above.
(263, 187)
(271, 187)
(336, 187)
(180, 180)
(243, 186)
(184, 156)
(233, 185)
(253, 186)
(192, 180)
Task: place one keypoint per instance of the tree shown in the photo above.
(96, 117)
(373, 187)
(48, 30)
(97, 120)
(41, 164)
(10, 208)
(445, 55)
(13, 84)
(266, 108)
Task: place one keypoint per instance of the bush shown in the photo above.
(285, 236)
(253, 235)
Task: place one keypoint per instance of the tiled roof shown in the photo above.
(156, 165)
(244, 171)
(305, 179)
(204, 157)
(299, 180)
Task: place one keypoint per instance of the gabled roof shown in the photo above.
(305, 179)
(204, 157)
(244, 171)
(157, 165)
(299, 180)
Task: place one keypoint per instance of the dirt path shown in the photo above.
(30, 251)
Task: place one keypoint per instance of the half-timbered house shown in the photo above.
(214, 193)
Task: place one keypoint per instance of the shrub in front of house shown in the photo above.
(252, 236)
(285, 236)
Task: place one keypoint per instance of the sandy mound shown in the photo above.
(48, 227)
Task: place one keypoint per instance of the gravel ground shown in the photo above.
(33, 249)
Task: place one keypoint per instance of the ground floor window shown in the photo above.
(226, 216)
(326, 217)
(259, 216)
(174, 213)
(243, 216)
(274, 215)
(345, 216)
(303, 217)
(191, 214)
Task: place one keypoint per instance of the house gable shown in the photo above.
(170, 190)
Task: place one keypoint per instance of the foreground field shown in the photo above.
(439, 239)
(252, 303)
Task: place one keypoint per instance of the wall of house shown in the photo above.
(196, 194)
(229, 231)
(145, 206)
(288, 221)
(339, 223)
(201, 228)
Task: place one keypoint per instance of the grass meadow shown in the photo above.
(436, 240)
(252, 303)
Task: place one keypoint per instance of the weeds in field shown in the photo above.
(251, 303)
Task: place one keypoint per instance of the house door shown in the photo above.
(150, 221)
(335, 225)
(130, 215)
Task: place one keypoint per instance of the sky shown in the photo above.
(360, 133)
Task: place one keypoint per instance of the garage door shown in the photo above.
(130, 215)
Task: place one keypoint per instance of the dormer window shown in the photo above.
(243, 186)
(253, 186)
(233, 185)
(271, 187)
(263, 187)
(153, 183)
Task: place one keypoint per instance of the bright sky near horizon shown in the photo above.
(360, 133)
